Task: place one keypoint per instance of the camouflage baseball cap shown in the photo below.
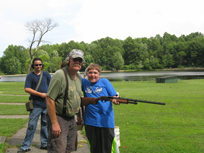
(76, 53)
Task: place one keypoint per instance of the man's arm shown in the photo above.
(34, 92)
(56, 130)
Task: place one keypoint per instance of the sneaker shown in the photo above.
(23, 150)
(45, 148)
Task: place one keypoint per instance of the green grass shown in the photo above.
(3, 147)
(12, 88)
(8, 127)
(145, 128)
(13, 92)
(174, 127)
(13, 110)
(13, 99)
(17, 92)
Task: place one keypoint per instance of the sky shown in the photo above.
(90, 20)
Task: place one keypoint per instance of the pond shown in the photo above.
(127, 76)
(152, 75)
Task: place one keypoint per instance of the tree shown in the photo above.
(12, 66)
(131, 48)
(52, 50)
(54, 64)
(38, 28)
(119, 61)
(154, 62)
(140, 65)
(170, 60)
(147, 64)
(45, 58)
(88, 59)
(107, 56)
(41, 52)
(97, 54)
(15, 51)
(181, 55)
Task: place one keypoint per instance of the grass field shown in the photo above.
(8, 127)
(12, 92)
(12, 125)
(13, 110)
(12, 88)
(146, 128)
(174, 127)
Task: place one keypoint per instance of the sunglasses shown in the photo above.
(77, 59)
(38, 64)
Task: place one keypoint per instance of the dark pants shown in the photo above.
(67, 141)
(100, 139)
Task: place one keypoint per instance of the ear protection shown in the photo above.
(67, 60)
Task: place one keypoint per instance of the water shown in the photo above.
(127, 76)
(13, 78)
(152, 75)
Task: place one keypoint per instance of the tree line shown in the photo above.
(167, 51)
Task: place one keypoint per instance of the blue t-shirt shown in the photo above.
(32, 81)
(101, 114)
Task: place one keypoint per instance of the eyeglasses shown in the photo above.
(77, 59)
(38, 64)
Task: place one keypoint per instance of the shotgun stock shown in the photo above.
(85, 101)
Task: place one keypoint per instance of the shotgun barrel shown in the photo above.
(126, 100)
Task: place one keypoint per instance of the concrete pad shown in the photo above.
(14, 116)
(34, 149)
(2, 139)
(83, 146)
(12, 103)
(18, 139)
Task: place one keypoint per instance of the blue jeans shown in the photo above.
(32, 124)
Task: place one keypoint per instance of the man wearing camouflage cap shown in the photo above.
(62, 127)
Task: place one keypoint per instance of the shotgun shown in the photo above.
(85, 101)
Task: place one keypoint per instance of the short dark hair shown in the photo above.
(36, 59)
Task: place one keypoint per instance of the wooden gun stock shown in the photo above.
(86, 101)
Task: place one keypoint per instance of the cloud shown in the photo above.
(89, 20)
(120, 19)
(12, 31)
(14, 15)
